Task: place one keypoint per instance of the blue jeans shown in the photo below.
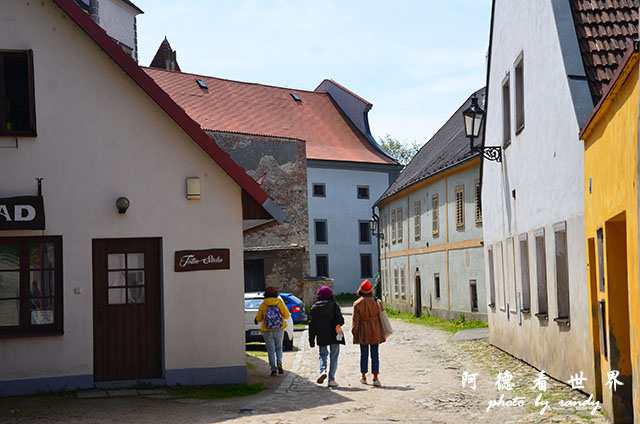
(273, 340)
(364, 358)
(324, 351)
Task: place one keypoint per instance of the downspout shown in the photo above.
(378, 287)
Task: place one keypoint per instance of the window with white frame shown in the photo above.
(519, 105)
(525, 281)
(416, 220)
(492, 279)
(396, 285)
(478, 203)
(562, 272)
(506, 112)
(385, 230)
(435, 227)
(403, 283)
(393, 226)
(399, 223)
(541, 274)
(460, 207)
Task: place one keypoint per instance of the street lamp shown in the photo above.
(374, 224)
(473, 117)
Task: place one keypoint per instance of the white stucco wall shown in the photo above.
(100, 137)
(544, 165)
(343, 210)
(118, 19)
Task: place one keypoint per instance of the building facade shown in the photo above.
(346, 169)
(431, 220)
(544, 77)
(611, 223)
(95, 257)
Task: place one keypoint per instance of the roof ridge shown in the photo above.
(236, 81)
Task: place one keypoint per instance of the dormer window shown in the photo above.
(202, 84)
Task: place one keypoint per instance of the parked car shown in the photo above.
(296, 307)
(252, 302)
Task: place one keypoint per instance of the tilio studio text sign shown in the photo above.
(22, 213)
(198, 260)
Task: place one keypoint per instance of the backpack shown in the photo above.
(272, 319)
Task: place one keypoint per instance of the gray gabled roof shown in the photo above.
(449, 147)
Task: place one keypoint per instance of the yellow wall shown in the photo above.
(611, 195)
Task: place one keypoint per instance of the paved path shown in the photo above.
(421, 373)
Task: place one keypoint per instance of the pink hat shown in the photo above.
(325, 293)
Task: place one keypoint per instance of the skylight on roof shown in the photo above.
(296, 97)
(202, 84)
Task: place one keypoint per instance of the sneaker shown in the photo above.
(333, 383)
(280, 370)
(274, 373)
(363, 380)
(376, 382)
(322, 377)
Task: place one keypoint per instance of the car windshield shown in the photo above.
(252, 303)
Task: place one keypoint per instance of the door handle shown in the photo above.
(100, 311)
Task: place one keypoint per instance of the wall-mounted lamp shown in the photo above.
(473, 117)
(122, 203)
(193, 188)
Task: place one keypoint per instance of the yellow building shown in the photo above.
(611, 224)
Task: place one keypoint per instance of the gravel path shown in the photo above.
(421, 373)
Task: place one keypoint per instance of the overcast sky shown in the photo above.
(416, 61)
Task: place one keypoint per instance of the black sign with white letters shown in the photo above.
(22, 213)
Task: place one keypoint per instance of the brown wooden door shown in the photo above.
(126, 309)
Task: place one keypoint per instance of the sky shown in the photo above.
(416, 61)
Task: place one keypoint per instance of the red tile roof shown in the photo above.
(175, 112)
(605, 30)
(249, 108)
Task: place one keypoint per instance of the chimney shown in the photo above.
(94, 11)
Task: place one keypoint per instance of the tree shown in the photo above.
(402, 152)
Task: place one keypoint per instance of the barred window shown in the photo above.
(478, 202)
(460, 207)
(416, 220)
(435, 228)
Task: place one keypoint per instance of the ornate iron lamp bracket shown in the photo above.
(493, 153)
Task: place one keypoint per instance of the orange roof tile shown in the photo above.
(241, 107)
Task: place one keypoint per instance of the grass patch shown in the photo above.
(215, 391)
(452, 326)
(302, 324)
(346, 297)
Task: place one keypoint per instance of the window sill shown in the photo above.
(519, 130)
(18, 134)
(562, 321)
(32, 334)
(542, 315)
(526, 311)
(492, 305)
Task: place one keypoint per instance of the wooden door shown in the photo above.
(254, 275)
(126, 309)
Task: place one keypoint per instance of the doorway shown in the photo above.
(617, 313)
(254, 275)
(418, 292)
(126, 309)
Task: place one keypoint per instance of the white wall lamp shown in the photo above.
(193, 188)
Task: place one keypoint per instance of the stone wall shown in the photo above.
(279, 165)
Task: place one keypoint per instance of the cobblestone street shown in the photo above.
(420, 371)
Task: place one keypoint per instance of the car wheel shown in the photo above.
(287, 344)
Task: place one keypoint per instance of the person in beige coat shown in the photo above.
(367, 331)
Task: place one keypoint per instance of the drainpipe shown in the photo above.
(95, 16)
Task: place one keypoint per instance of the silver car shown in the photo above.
(252, 302)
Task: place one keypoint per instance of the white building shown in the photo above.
(84, 280)
(539, 95)
(431, 250)
(346, 169)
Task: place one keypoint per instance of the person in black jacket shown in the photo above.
(325, 325)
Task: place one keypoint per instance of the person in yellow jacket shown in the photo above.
(273, 314)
